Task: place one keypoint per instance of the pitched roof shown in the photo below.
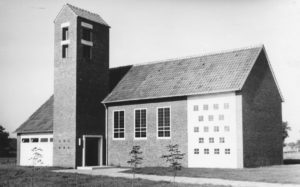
(85, 14)
(41, 120)
(212, 73)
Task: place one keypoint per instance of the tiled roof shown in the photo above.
(213, 73)
(41, 120)
(86, 14)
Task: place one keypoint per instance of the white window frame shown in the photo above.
(113, 125)
(157, 122)
(139, 138)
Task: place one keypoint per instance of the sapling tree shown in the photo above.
(173, 158)
(36, 159)
(135, 160)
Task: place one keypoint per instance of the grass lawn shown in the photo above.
(11, 175)
(273, 174)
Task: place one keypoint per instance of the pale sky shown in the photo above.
(142, 31)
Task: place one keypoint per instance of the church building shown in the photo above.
(223, 109)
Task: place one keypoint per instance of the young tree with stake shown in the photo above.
(173, 158)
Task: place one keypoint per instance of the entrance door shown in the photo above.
(92, 150)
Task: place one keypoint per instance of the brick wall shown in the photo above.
(92, 85)
(79, 86)
(64, 123)
(153, 148)
(262, 133)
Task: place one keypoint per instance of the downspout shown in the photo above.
(106, 132)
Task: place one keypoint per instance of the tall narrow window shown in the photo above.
(65, 51)
(140, 123)
(65, 33)
(164, 126)
(86, 34)
(119, 124)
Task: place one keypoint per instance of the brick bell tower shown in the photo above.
(81, 82)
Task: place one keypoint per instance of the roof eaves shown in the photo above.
(72, 7)
(168, 96)
(29, 132)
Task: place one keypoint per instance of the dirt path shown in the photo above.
(117, 172)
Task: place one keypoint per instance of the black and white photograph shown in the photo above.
(162, 93)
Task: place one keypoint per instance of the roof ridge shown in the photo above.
(72, 6)
(200, 55)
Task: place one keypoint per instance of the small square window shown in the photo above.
(221, 117)
(51, 139)
(196, 108)
(217, 151)
(196, 129)
(206, 151)
(205, 107)
(227, 151)
(34, 140)
(65, 51)
(210, 118)
(226, 105)
(25, 140)
(226, 128)
(211, 140)
(216, 106)
(200, 118)
(201, 140)
(222, 140)
(44, 139)
(196, 151)
(205, 129)
(216, 128)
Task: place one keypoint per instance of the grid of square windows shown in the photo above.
(206, 151)
(196, 129)
(227, 151)
(226, 128)
(216, 106)
(205, 128)
(164, 127)
(205, 107)
(196, 107)
(201, 140)
(226, 105)
(210, 117)
(140, 123)
(200, 118)
(222, 140)
(211, 140)
(216, 128)
(119, 128)
(221, 117)
(217, 151)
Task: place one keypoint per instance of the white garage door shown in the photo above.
(36, 149)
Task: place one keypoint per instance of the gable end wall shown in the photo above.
(262, 117)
